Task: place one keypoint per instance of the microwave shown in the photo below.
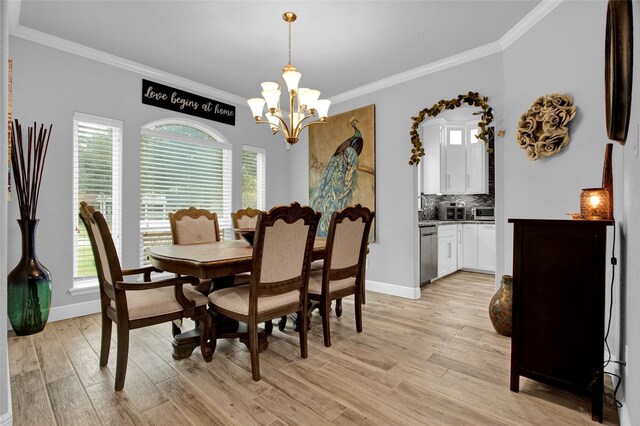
(483, 213)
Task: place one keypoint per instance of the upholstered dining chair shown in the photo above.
(244, 218)
(282, 250)
(132, 305)
(196, 226)
(343, 269)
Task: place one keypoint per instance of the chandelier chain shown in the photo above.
(289, 42)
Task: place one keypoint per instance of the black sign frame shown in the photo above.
(162, 96)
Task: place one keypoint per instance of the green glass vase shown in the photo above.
(28, 286)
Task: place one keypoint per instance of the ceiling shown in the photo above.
(235, 45)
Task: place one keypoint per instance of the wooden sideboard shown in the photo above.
(559, 305)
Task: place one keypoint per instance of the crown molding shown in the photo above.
(125, 64)
(451, 61)
(519, 29)
(525, 24)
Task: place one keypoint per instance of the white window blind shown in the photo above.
(97, 160)
(180, 167)
(253, 178)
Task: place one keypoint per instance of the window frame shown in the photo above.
(261, 176)
(218, 142)
(81, 284)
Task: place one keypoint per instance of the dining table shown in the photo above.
(219, 261)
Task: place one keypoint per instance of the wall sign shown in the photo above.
(166, 97)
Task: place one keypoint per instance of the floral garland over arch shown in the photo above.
(471, 98)
(542, 130)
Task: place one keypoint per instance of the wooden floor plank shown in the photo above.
(30, 401)
(436, 361)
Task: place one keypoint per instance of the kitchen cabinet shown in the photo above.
(455, 161)
(559, 305)
(460, 246)
(447, 249)
(479, 247)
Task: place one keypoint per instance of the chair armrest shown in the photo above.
(123, 285)
(177, 283)
(146, 270)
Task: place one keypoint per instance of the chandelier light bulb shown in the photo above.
(256, 105)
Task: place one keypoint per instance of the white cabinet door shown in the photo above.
(470, 246)
(447, 250)
(487, 247)
(460, 246)
(432, 136)
(454, 178)
(477, 163)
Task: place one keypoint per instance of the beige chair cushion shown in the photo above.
(346, 243)
(283, 252)
(158, 301)
(315, 283)
(195, 231)
(236, 299)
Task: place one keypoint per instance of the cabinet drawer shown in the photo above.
(447, 230)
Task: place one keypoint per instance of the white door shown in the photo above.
(447, 250)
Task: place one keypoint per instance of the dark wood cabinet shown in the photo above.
(558, 305)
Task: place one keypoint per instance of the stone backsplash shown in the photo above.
(430, 212)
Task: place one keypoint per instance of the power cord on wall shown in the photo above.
(614, 262)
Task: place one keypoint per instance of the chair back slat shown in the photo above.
(283, 246)
(194, 226)
(104, 251)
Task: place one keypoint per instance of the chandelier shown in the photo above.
(309, 107)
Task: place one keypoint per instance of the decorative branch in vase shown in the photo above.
(29, 283)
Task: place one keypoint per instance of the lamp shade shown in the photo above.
(256, 105)
(272, 96)
(312, 99)
(322, 106)
(594, 204)
(269, 85)
(292, 78)
(273, 121)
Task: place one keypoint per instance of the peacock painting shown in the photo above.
(342, 167)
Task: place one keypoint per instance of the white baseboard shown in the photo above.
(74, 310)
(393, 289)
(623, 415)
(6, 419)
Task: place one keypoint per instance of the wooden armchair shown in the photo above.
(282, 250)
(343, 270)
(134, 304)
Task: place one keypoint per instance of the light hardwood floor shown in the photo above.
(434, 361)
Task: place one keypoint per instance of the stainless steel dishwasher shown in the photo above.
(428, 253)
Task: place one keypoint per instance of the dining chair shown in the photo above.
(343, 270)
(197, 226)
(282, 251)
(244, 218)
(134, 304)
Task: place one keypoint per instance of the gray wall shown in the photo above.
(49, 86)
(565, 53)
(392, 258)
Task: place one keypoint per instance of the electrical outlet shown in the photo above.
(626, 360)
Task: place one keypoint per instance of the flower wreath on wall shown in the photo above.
(542, 130)
(471, 98)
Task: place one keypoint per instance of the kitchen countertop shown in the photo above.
(452, 222)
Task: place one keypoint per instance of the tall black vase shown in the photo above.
(29, 286)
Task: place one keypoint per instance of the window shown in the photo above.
(182, 164)
(473, 135)
(97, 158)
(455, 137)
(253, 178)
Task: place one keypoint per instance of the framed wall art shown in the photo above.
(342, 166)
